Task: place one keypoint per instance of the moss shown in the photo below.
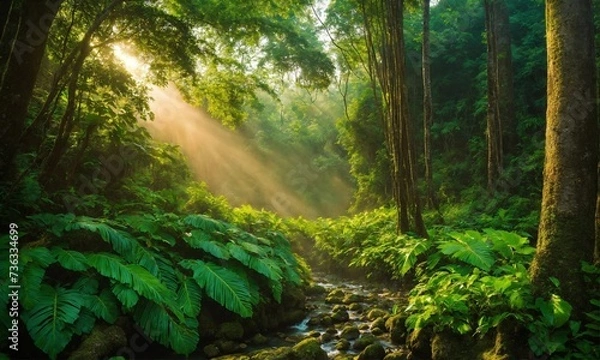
(230, 331)
(101, 342)
(372, 352)
(309, 349)
(396, 325)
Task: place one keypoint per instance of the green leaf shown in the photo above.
(469, 248)
(122, 242)
(70, 259)
(222, 285)
(104, 306)
(189, 297)
(206, 223)
(47, 320)
(126, 295)
(561, 310)
(198, 239)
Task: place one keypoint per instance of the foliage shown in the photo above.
(155, 268)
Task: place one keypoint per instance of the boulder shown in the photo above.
(365, 340)
(419, 343)
(374, 351)
(309, 349)
(396, 325)
(398, 355)
(340, 316)
(211, 350)
(376, 313)
(230, 331)
(350, 332)
(342, 345)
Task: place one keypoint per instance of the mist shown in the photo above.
(228, 163)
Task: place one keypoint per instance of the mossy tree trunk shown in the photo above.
(567, 225)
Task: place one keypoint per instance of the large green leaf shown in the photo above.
(70, 259)
(189, 297)
(122, 242)
(206, 223)
(198, 239)
(140, 280)
(47, 321)
(158, 324)
(104, 306)
(264, 266)
(222, 285)
(126, 295)
(469, 248)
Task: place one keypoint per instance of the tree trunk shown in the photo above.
(567, 225)
(500, 129)
(427, 107)
(20, 72)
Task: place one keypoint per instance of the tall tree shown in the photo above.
(383, 24)
(567, 225)
(25, 33)
(500, 130)
(427, 104)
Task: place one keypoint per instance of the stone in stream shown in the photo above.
(342, 345)
(309, 349)
(398, 355)
(340, 316)
(396, 325)
(376, 313)
(353, 298)
(335, 296)
(326, 337)
(350, 332)
(355, 307)
(364, 340)
(374, 351)
(378, 323)
(259, 339)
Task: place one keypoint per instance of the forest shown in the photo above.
(300, 179)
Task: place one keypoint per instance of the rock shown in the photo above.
(259, 339)
(233, 357)
(340, 316)
(396, 325)
(211, 350)
(450, 346)
(100, 343)
(355, 307)
(335, 297)
(350, 332)
(377, 332)
(372, 352)
(326, 337)
(353, 298)
(379, 323)
(376, 313)
(315, 320)
(339, 307)
(398, 355)
(315, 289)
(331, 330)
(343, 357)
(326, 320)
(364, 341)
(282, 353)
(314, 334)
(227, 346)
(309, 349)
(364, 327)
(419, 343)
(342, 345)
(230, 331)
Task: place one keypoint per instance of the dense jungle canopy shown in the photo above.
(190, 172)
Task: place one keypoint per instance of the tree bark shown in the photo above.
(567, 224)
(500, 129)
(20, 73)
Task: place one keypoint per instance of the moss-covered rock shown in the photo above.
(259, 339)
(398, 355)
(282, 353)
(374, 351)
(353, 298)
(309, 349)
(340, 316)
(211, 350)
(364, 340)
(342, 345)
(230, 331)
(378, 323)
(396, 325)
(101, 342)
(419, 343)
(335, 297)
(350, 332)
(376, 313)
(450, 346)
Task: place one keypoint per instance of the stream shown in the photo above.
(344, 316)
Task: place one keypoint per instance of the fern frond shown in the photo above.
(469, 248)
(222, 285)
(146, 258)
(126, 295)
(47, 321)
(410, 253)
(122, 242)
(264, 266)
(103, 306)
(37, 255)
(70, 259)
(189, 297)
(140, 280)
(157, 323)
(206, 223)
(31, 281)
(198, 239)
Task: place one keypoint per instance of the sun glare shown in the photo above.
(131, 63)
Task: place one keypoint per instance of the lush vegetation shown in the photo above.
(112, 228)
